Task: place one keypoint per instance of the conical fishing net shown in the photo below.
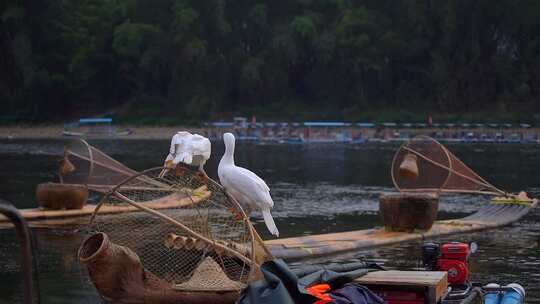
(424, 164)
(184, 228)
(85, 164)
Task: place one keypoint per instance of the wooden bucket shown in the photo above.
(61, 196)
(408, 211)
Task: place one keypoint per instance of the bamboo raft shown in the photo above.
(491, 216)
(37, 217)
(296, 248)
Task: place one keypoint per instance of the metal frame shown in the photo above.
(24, 235)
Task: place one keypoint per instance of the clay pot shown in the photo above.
(112, 268)
(408, 211)
(119, 277)
(408, 169)
(61, 196)
(66, 167)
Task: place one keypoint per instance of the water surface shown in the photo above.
(316, 189)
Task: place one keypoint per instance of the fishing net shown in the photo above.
(85, 164)
(423, 164)
(184, 228)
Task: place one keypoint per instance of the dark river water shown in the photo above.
(316, 189)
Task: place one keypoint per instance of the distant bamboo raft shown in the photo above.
(49, 218)
(488, 217)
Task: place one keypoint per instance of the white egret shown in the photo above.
(245, 186)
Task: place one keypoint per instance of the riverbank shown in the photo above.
(295, 133)
(55, 131)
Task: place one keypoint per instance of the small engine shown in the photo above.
(455, 260)
(451, 257)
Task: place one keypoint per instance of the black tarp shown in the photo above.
(284, 285)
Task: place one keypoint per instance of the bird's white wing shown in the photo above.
(249, 184)
(184, 151)
(201, 145)
(184, 157)
(175, 140)
(259, 181)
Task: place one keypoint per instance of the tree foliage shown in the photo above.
(196, 60)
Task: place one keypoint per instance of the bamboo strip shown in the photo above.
(312, 246)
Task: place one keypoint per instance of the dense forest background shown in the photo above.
(171, 61)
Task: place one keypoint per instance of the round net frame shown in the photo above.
(85, 164)
(422, 164)
(185, 229)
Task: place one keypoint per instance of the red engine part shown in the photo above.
(454, 260)
(455, 251)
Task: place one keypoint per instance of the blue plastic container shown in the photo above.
(492, 297)
(514, 296)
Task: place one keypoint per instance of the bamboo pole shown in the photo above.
(451, 191)
(168, 189)
(162, 203)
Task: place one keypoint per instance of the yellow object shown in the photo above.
(522, 198)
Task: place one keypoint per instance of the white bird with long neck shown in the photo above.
(245, 186)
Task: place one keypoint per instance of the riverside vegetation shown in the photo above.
(193, 60)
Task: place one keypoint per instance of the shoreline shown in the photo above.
(530, 135)
(55, 132)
